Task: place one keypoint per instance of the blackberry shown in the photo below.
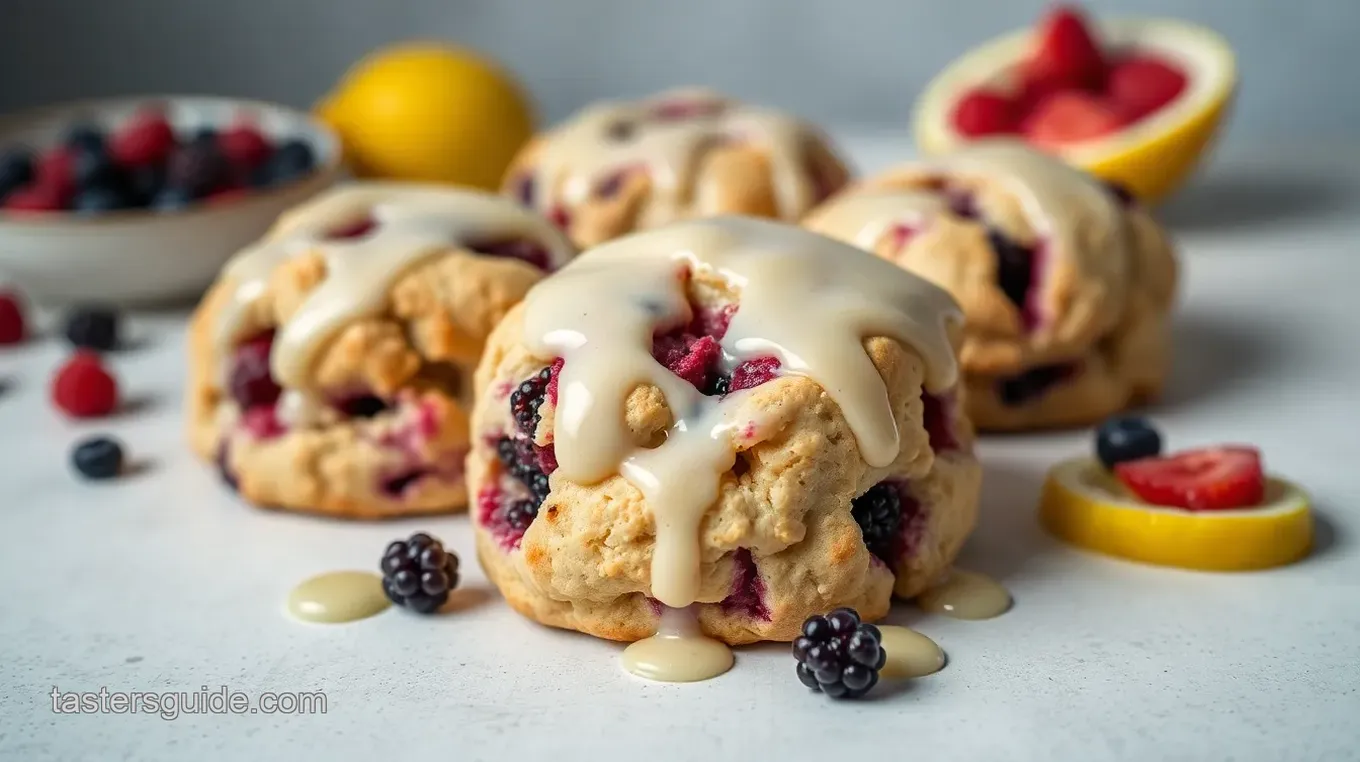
(839, 656)
(527, 399)
(521, 460)
(879, 515)
(93, 327)
(98, 458)
(418, 573)
(521, 513)
(1014, 267)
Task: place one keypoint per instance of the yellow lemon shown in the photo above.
(1151, 157)
(425, 111)
(1085, 505)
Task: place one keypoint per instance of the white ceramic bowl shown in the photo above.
(143, 256)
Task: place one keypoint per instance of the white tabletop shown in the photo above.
(163, 581)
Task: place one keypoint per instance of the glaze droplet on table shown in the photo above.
(910, 654)
(678, 652)
(966, 595)
(336, 597)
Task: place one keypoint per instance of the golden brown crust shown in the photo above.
(1106, 306)
(418, 354)
(585, 561)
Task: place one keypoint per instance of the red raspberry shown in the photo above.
(12, 327)
(55, 170)
(1144, 85)
(83, 388)
(146, 140)
(1066, 54)
(35, 198)
(244, 145)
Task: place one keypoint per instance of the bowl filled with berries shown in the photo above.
(142, 199)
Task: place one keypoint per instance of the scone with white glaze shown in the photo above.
(731, 416)
(1067, 284)
(617, 167)
(330, 365)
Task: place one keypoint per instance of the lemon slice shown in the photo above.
(1085, 505)
(1151, 157)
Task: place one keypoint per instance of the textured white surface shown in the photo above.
(164, 582)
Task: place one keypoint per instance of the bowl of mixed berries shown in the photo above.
(137, 200)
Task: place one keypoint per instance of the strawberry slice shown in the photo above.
(1211, 479)
(1065, 53)
(1143, 85)
(1071, 117)
(985, 112)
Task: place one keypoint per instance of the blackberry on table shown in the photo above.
(527, 399)
(838, 655)
(879, 515)
(418, 573)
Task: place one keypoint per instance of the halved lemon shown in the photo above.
(1151, 157)
(1085, 505)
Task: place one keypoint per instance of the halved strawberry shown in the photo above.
(1070, 117)
(1211, 479)
(985, 112)
(1143, 85)
(1065, 53)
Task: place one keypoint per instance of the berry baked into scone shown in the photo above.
(1066, 283)
(618, 167)
(331, 363)
(731, 416)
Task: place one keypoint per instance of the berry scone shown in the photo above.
(733, 417)
(331, 363)
(1066, 283)
(618, 167)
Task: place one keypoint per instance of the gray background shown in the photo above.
(837, 61)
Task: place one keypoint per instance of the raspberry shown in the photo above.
(839, 656)
(418, 573)
(82, 387)
(244, 145)
(55, 171)
(13, 327)
(688, 356)
(985, 112)
(1072, 117)
(36, 198)
(146, 140)
(879, 515)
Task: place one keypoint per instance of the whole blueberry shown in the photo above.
(170, 199)
(85, 137)
(106, 197)
(94, 166)
(16, 169)
(98, 458)
(145, 183)
(93, 326)
(1125, 438)
(292, 159)
(204, 136)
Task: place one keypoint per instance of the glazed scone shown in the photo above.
(1067, 285)
(330, 364)
(618, 167)
(730, 416)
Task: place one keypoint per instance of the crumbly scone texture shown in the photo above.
(779, 544)
(1106, 306)
(418, 355)
(729, 177)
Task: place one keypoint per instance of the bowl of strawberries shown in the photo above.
(142, 199)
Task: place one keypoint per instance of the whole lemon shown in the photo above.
(426, 111)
